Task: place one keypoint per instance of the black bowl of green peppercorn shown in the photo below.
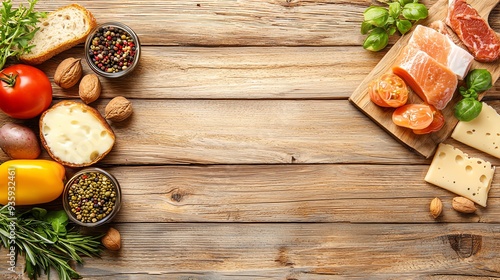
(112, 50)
(92, 197)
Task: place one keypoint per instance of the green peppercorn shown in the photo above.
(92, 197)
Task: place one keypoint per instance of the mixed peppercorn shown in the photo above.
(112, 49)
(92, 197)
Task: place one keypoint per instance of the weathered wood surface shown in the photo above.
(300, 251)
(240, 73)
(252, 132)
(245, 160)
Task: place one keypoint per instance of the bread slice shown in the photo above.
(75, 134)
(61, 30)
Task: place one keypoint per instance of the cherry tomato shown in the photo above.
(25, 91)
(414, 116)
(436, 124)
(389, 90)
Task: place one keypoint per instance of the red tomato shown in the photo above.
(389, 90)
(414, 116)
(436, 125)
(25, 91)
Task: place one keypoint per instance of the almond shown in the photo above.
(68, 72)
(463, 205)
(90, 88)
(436, 207)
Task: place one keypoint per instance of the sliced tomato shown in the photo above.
(389, 90)
(436, 124)
(414, 116)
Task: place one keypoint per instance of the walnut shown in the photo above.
(68, 72)
(112, 239)
(118, 109)
(90, 88)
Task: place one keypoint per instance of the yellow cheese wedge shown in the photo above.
(482, 133)
(455, 171)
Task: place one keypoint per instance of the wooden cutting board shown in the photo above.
(422, 144)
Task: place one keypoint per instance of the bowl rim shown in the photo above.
(137, 51)
(116, 207)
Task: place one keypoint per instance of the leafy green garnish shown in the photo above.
(380, 23)
(477, 81)
(45, 241)
(17, 28)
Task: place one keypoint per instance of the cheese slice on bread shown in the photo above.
(61, 30)
(75, 134)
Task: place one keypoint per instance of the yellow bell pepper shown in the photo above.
(28, 182)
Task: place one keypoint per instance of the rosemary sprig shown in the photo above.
(45, 242)
(17, 28)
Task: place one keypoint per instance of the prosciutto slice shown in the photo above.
(473, 31)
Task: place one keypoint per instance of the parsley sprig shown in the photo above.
(46, 242)
(17, 28)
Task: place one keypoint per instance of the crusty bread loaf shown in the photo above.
(62, 29)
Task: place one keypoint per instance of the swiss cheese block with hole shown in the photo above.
(75, 134)
(482, 133)
(455, 171)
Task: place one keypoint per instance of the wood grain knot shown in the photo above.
(177, 195)
(466, 245)
(283, 258)
(290, 3)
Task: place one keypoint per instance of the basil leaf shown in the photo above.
(479, 80)
(468, 109)
(403, 26)
(57, 217)
(377, 16)
(38, 213)
(366, 27)
(414, 11)
(399, 15)
(394, 9)
(376, 40)
(404, 2)
(391, 30)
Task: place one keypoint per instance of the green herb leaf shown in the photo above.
(394, 9)
(58, 220)
(403, 26)
(414, 11)
(17, 28)
(468, 109)
(479, 80)
(400, 15)
(59, 216)
(404, 2)
(366, 27)
(376, 16)
(43, 245)
(391, 30)
(38, 213)
(376, 40)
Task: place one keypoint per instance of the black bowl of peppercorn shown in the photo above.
(92, 197)
(112, 50)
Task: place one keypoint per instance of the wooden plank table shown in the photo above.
(244, 159)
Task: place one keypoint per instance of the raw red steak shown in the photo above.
(474, 31)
